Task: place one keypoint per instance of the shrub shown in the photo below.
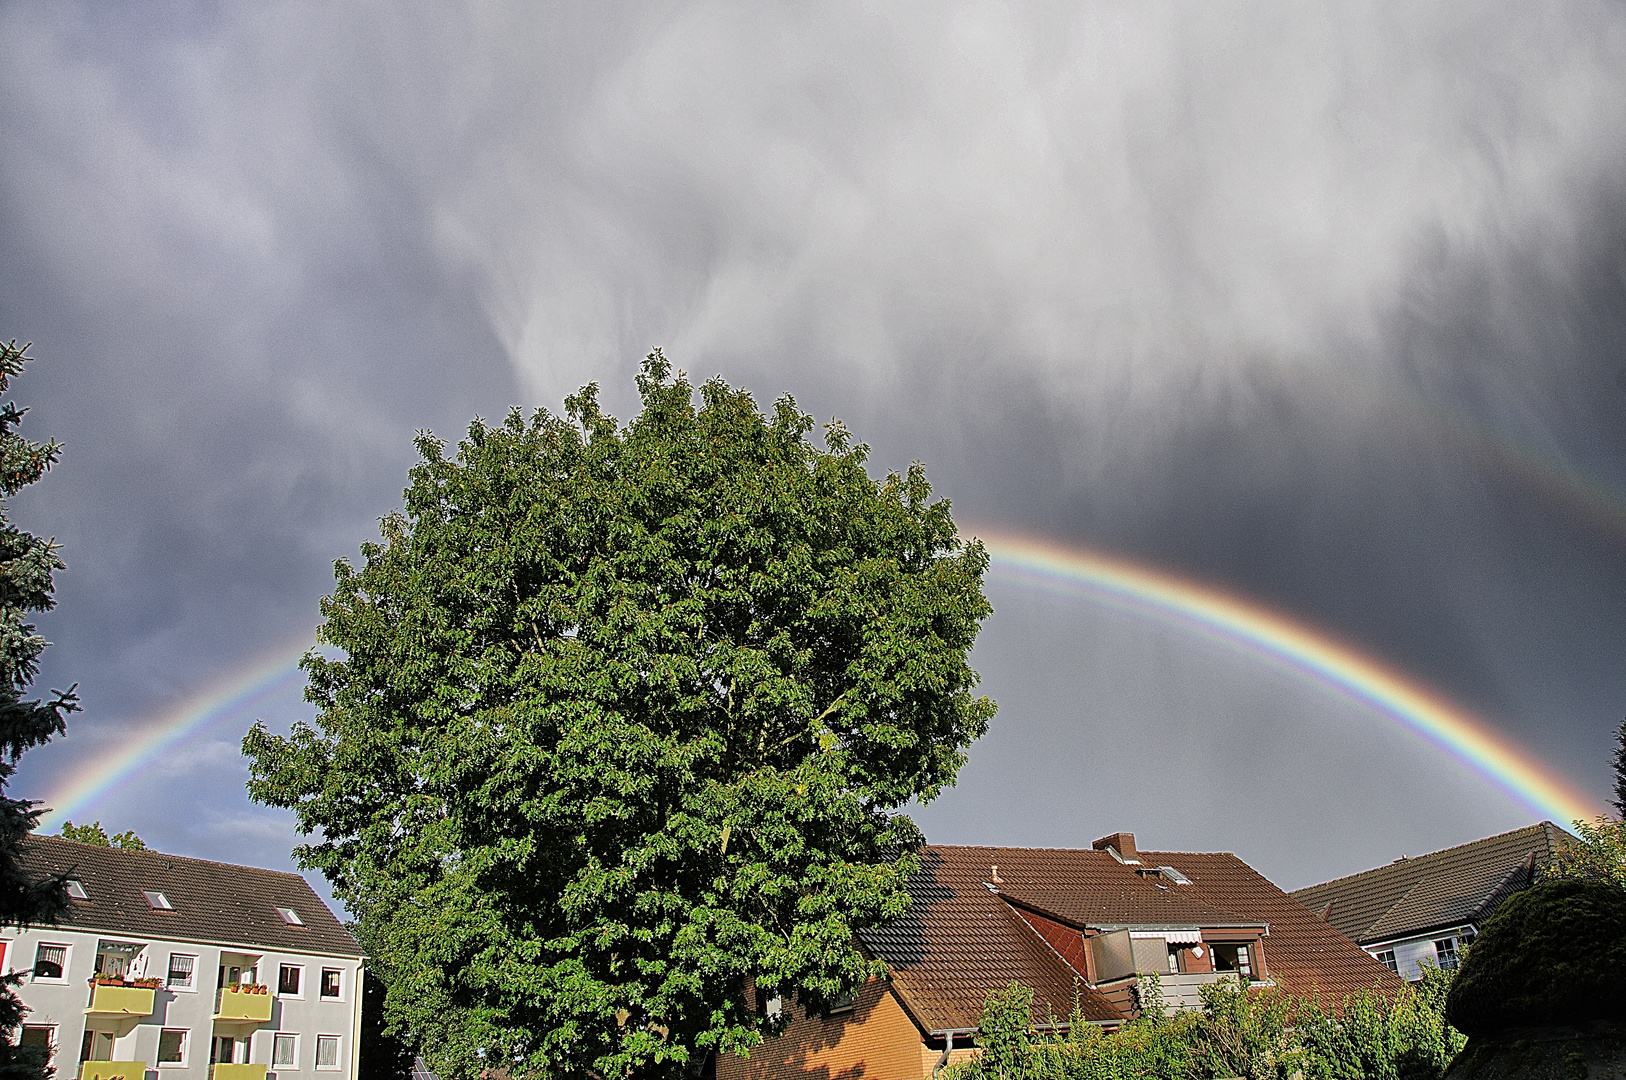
(1553, 954)
(1258, 1034)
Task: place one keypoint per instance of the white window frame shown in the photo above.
(191, 985)
(76, 890)
(67, 961)
(320, 985)
(291, 1036)
(157, 900)
(298, 996)
(338, 1054)
(186, 1040)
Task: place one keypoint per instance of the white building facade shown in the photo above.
(1441, 948)
(178, 969)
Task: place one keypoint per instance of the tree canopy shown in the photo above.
(26, 567)
(95, 834)
(624, 717)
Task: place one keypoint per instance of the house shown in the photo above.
(1429, 907)
(167, 968)
(1084, 926)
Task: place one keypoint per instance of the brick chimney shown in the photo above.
(1121, 842)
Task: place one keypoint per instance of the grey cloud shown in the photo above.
(1265, 293)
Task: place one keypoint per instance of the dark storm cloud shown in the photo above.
(1223, 288)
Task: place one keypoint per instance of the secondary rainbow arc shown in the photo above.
(273, 672)
(1080, 572)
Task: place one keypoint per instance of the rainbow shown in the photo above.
(1075, 572)
(273, 672)
(1070, 572)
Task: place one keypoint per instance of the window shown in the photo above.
(49, 961)
(41, 1035)
(285, 1052)
(843, 1003)
(157, 900)
(331, 983)
(1230, 957)
(222, 1050)
(288, 980)
(327, 1051)
(171, 1047)
(180, 971)
(1446, 950)
(76, 889)
(1387, 959)
(290, 916)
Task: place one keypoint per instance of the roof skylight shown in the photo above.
(290, 916)
(157, 900)
(76, 889)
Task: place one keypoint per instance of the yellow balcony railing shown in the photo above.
(241, 1005)
(241, 1071)
(120, 1001)
(113, 1070)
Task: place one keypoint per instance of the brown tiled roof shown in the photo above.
(1442, 889)
(1304, 955)
(213, 902)
(960, 939)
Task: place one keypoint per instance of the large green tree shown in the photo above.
(624, 717)
(26, 565)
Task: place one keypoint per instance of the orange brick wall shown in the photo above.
(875, 1041)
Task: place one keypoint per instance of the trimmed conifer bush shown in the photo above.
(1553, 954)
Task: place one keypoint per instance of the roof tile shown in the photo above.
(211, 901)
(1446, 888)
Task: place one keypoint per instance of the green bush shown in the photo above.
(1258, 1034)
(1553, 954)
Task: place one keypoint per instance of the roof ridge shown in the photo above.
(152, 853)
(1540, 826)
(1079, 850)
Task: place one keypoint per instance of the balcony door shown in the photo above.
(97, 1046)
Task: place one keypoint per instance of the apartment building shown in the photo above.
(168, 968)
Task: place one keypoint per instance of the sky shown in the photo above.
(1319, 305)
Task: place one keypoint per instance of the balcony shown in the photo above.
(243, 1007)
(113, 1070)
(120, 1001)
(241, 1071)
(1184, 991)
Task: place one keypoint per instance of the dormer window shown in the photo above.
(157, 900)
(76, 889)
(290, 916)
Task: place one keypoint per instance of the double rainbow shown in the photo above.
(1075, 573)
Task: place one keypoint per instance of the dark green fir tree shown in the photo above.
(26, 565)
